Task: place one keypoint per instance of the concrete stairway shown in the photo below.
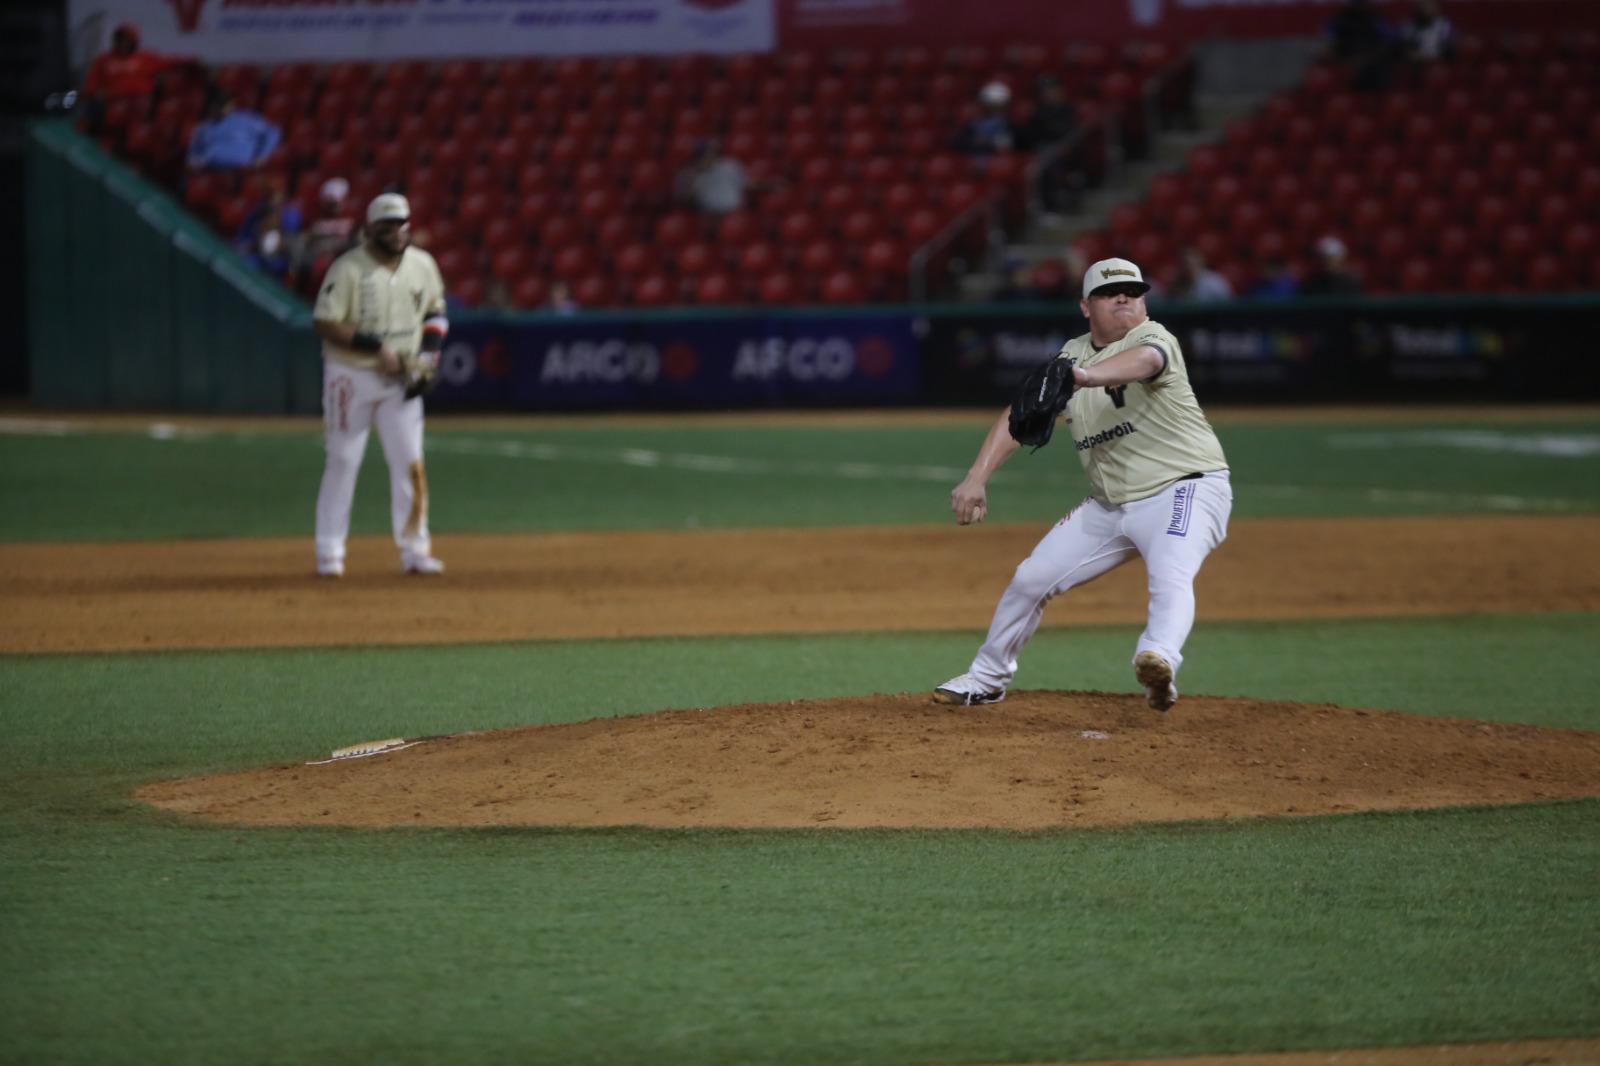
(1235, 79)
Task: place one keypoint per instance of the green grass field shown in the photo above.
(131, 936)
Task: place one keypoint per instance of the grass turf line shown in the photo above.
(196, 945)
(116, 486)
(133, 937)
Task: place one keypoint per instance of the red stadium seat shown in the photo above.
(818, 258)
(653, 290)
(1417, 275)
(860, 228)
(840, 287)
(593, 290)
(884, 257)
(1481, 275)
(901, 197)
(634, 260)
(922, 226)
(695, 258)
(573, 261)
(676, 228)
(716, 289)
(737, 227)
(1546, 273)
(510, 263)
(778, 288)
(797, 227)
(839, 200)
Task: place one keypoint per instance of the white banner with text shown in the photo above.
(268, 31)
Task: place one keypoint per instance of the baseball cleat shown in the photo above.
(421, 564)
(967, 690)
(330, 568)
(1155, 674)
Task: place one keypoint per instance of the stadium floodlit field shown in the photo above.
(132, 934)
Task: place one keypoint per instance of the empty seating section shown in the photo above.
(523, 172)
(1476, 174)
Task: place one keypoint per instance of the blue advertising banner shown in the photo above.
(552, 364)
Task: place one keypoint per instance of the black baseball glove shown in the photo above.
(1042, 398)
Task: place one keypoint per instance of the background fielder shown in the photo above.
(380, 314)
(1159, 489)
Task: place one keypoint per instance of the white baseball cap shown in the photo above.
(1113, 272)
(996, 94)
(390, 206)
(335, 189)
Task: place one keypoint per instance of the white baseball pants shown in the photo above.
(353, 401)
(1174, 531)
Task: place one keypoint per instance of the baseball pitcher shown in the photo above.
(1158, 479)
(381, 316)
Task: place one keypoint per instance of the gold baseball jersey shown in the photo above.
(390, 304)
(1136, 439)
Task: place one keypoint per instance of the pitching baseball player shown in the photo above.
(381, 316)
(1159, 488)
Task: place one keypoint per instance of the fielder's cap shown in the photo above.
(1113, 272)
(995, 94)
(389, 207)
(335, 189)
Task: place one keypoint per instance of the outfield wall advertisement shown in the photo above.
(614, 363)
(1385, 351)
(265, 31)
(1362, 351)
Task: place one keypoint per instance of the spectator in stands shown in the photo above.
(989, 132)
(497, 297)
(1276, 282)
(712, 182)
(1428, 35)
(1332, 276)
(1016, 282)
(231, 138)
(271, 235)
(1053, 121)
(1361, 39)
(125, 72)
(561, 300)
(1195, 281)
(334, 229)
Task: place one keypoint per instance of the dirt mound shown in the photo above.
(1039, 760)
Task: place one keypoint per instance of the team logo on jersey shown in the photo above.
(1182, 503)
(416, 298)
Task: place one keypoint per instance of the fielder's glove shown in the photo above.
(421, 373)
(1042, 398)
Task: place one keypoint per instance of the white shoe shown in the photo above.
(421, 564)
(330, 567)
(967, 690)
(1155, 674)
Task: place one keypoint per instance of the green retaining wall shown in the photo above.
(134, 304)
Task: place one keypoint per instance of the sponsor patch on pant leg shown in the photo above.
(1182, 504)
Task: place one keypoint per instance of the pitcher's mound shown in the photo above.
(1039, 760)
